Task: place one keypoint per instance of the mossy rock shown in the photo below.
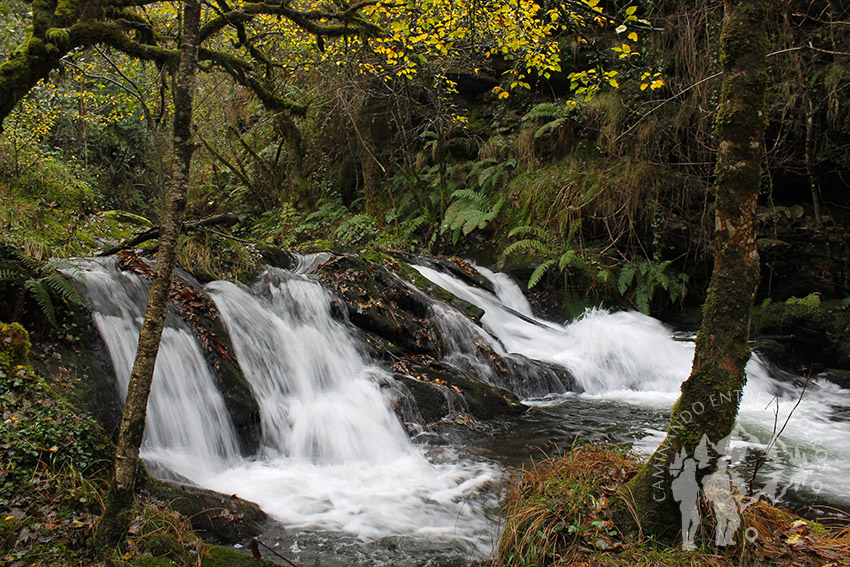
(440, 391)
(381, 304)
(215, 556)
(215, 517)
(14, 346)
(803, 337)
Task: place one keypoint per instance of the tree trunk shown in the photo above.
(116, 518)
(705, 413)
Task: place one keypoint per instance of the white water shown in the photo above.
(187, 418)
(627, 357)
(333, 455)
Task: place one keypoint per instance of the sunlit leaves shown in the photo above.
(422, 32)
(652, 81)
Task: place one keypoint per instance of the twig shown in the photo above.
(252, 545)
(763, 455)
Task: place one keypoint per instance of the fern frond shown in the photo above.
(538, 273)
(643, 297)
(544, 110)
(30, 264)
(566, 259)
(549, 126)
(627, 276)
(62, 287)
(9, 275)
(42, 297)
(526, 245)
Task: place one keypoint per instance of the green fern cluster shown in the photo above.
(475, 208)
(646, 276)
(637, 282)
(44, 282)
(470, 210)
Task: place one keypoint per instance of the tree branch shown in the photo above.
(225, 219)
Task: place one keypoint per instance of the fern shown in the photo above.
(549, 126)
(469, 210)
(544, 110)
(62, 287)
(538, 273)
(627, 275)
(357, 228)
(527, 245)
(41, 294)
(43, 281)
(645, 277)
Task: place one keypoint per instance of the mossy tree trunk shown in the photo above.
(116, 518)
(708, 406)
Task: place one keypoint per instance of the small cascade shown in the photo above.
(319, 401)
(630, 358)
(188, 424)
(333, 455)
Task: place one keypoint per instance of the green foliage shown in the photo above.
(811, 300)
(554, 115)
(358, 229)
(43, 282)
(41, 430)
(583, 273)
(476, 198)
(642, 278)
(470, 210)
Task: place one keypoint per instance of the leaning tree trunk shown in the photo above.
(116, 518)
(708, 406)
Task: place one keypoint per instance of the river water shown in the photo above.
(345, 482)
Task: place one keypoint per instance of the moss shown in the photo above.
(223, 557)
(804, 337)
(14, 346)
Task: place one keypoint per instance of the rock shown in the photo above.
(837, 376)
(14, 346)
(803, 337)
(215, 517)
(440, 391)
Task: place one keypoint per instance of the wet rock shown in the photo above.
(216, 517)
(381, 304)
(837, 376)
(81, 365)
(440, 390)
(803, 337)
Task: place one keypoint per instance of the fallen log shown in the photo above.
(224, 219)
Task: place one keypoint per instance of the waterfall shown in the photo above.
(630, 358)
(188, 425)
(333, 455)
(319, 401)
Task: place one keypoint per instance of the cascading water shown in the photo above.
(629, 358)
(188, 424)
(333, 455)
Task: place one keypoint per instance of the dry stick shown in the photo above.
(763, 455)
(252, 546)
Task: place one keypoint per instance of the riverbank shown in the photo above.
(558, 512)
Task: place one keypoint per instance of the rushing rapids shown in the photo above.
(333, 455)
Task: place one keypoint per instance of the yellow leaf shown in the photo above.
(643, 87)
(504, 94)
(614, 83)
(633, 36)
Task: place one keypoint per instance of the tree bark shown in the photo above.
(708, 406)
(115, 521)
